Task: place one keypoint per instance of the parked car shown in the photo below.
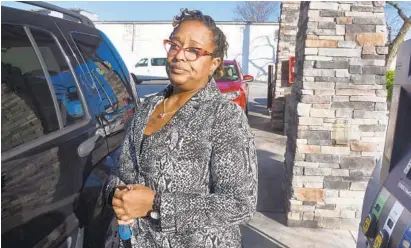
(234, 85)
(66, 101)
(150, 69)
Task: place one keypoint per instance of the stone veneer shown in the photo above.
(285, 48)
(337, 113)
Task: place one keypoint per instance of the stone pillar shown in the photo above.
(285, 48)
(337, 113)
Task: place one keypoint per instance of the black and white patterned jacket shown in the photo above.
(203, 163)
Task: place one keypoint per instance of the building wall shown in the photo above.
(281, 89)
(253, 45)
(337, 113)
(394, 62)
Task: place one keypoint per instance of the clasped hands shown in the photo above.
(131, 202)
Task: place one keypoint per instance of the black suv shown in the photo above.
(66, 101)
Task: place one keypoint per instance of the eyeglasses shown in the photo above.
(191, 53)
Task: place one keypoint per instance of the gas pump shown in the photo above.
(386, 213)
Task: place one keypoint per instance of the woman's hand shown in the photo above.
(132, 202)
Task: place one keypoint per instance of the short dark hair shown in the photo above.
(219, 39)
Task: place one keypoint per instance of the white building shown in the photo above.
(253, 45)
(394, 62)
(92, 16)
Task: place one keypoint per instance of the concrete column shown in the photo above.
(286, 48)
(337, 113)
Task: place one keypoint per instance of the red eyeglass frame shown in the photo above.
(201, 51)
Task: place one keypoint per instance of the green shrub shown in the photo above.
(389, 76)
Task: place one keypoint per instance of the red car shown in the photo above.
(234, 85)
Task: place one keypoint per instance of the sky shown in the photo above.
(166, 10)
(393, 19)
(147, 11)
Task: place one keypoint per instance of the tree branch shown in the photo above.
(256, 11)
(393, 47)
(400, 11)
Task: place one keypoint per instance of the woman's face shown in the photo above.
(192, 75)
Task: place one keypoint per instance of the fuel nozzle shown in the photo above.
(369, 226)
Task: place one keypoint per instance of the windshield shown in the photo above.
(142, 62)
(230, 73)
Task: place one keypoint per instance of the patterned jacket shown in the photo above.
(203, 164)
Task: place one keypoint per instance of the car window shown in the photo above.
(115, 105)
(158, 61)
(230, 73)
(142, 62)
(68, 98)
(28, 110)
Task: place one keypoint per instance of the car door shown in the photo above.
(142, 69)
(48, 136)
(112, 81)
(244, 84)
(158, 68)
(107, 85)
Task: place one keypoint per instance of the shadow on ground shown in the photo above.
(259, 106)
(270, 173)
(258, 117)
(253, 238)
(261, 101)
(270, 151)
(261, 117)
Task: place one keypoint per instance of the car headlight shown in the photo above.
(231, 95)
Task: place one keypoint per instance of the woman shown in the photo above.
(188, 159)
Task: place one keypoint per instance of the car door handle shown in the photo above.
(89, 145)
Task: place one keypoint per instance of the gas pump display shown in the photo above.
(386, 220)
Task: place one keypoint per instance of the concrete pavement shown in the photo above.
(267, 229)
(264, 232)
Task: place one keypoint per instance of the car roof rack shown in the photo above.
(83, 19)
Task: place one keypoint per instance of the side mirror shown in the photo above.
(248, 78)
